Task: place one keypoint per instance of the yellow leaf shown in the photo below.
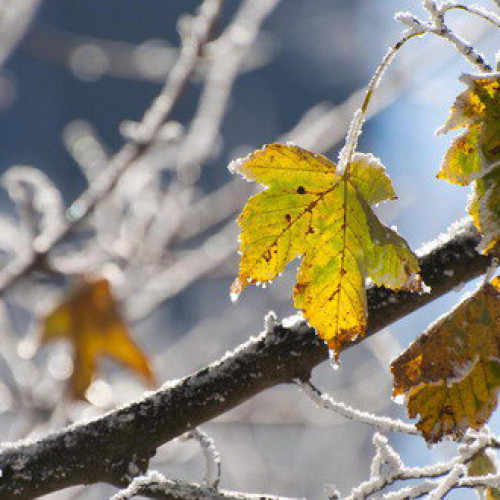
(309, 210)
(462, 162)
(484, 208)
(475, 155)
(91, 321)
(450, 375)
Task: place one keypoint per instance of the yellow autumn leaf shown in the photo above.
(462, 162)
(474, 153)
(91, 321)
(474, 156)
(308, 210)
(484, 208)
(450, 375)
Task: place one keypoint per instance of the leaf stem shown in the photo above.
(347, 152)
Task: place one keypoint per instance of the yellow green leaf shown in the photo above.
(308, 210)
(462, 162)
(450, 375)
(484, 208)
(481, 465)
(478, 101)
(91, 321)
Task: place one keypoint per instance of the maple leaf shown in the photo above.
(308, 210)
(91, 321)
(474, 156)
(450, 375)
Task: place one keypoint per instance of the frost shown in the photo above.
(408, 19)
(294, 321)
(152, 477)
(460, 230)
(351, 141)
(235, 166)
(270, 321)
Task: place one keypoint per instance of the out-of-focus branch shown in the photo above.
(227, 54)
(15, 18)
(188, 268)
(105, 448)
(195, 35)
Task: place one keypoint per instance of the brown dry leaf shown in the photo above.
(90, 319)
(450, 375)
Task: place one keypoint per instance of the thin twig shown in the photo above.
(383, 423)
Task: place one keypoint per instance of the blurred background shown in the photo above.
(166, 237)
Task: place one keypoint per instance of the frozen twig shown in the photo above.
(195, 33)
(382, 423)
(212, 473)
(476, 10)
(437, 26)
(448, 483)
(151, 479)
(388, 469)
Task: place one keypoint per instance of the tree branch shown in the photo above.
(154, 485)
(103, 450)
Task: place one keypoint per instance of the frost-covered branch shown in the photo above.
(211, 476)
(155, 485)
(437, 26)
(387, 469)
(102, 450)
(475, 10)
(382, 423)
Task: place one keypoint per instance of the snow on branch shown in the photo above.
(156, 485)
